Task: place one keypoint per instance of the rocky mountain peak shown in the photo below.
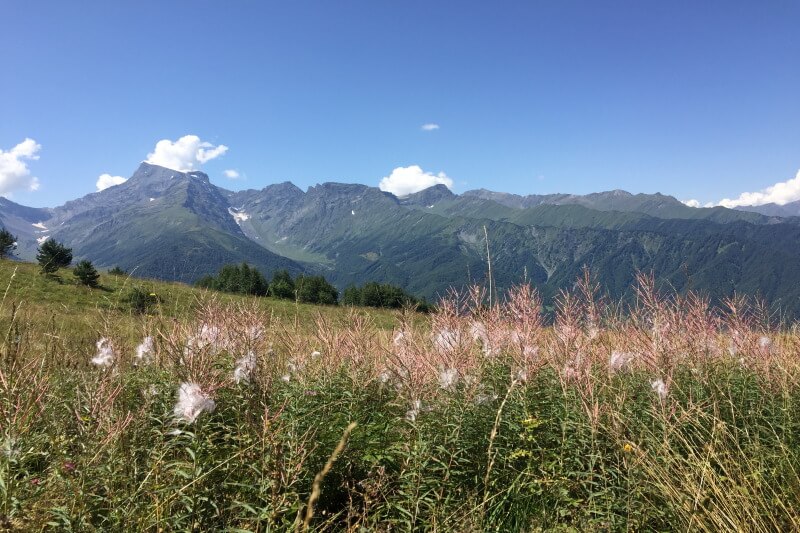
(430, 196)
(150, 173)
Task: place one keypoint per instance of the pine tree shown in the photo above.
(282, 285)
(238, 279)
(86, 273)
(53, 255)
(8, 243)
(352, 296)
(384, 295)
(371, 295)
(316, 290)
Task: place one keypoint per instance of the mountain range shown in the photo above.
(179, 226)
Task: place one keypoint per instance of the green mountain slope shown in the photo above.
(357, 233)
(160, 223)
(176, 225)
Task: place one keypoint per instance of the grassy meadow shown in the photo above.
(211, 412)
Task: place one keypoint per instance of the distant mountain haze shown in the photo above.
(178, 226)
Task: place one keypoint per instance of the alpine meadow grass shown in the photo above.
(221, 413)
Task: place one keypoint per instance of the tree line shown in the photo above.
(237, 279)
(244, 279)
(382, 295)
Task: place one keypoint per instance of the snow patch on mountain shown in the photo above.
(40, 226)
(238, 215)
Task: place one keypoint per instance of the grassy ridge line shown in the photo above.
(45, 298)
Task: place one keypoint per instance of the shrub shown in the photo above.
(141, 300)
(86, 273)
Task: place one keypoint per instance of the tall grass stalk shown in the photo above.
(666, 414)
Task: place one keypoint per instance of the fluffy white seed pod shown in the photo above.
(105, 353)
(191, 402)
(660, 388)
(244, 367)
(448, 378)
(619, 360)
(145, 351)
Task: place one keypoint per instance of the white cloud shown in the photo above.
(781, 193)
(185, 154)
(691, 203)
(107, 180)
(14, 171)
(408, 180)
(232, 174)
(429, 127)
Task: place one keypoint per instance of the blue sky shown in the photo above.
(695, 99)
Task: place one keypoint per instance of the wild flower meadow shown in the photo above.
(664, 415)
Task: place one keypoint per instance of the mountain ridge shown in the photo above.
(179, 225)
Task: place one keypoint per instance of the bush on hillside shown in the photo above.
(141, 300)
(86, 273)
